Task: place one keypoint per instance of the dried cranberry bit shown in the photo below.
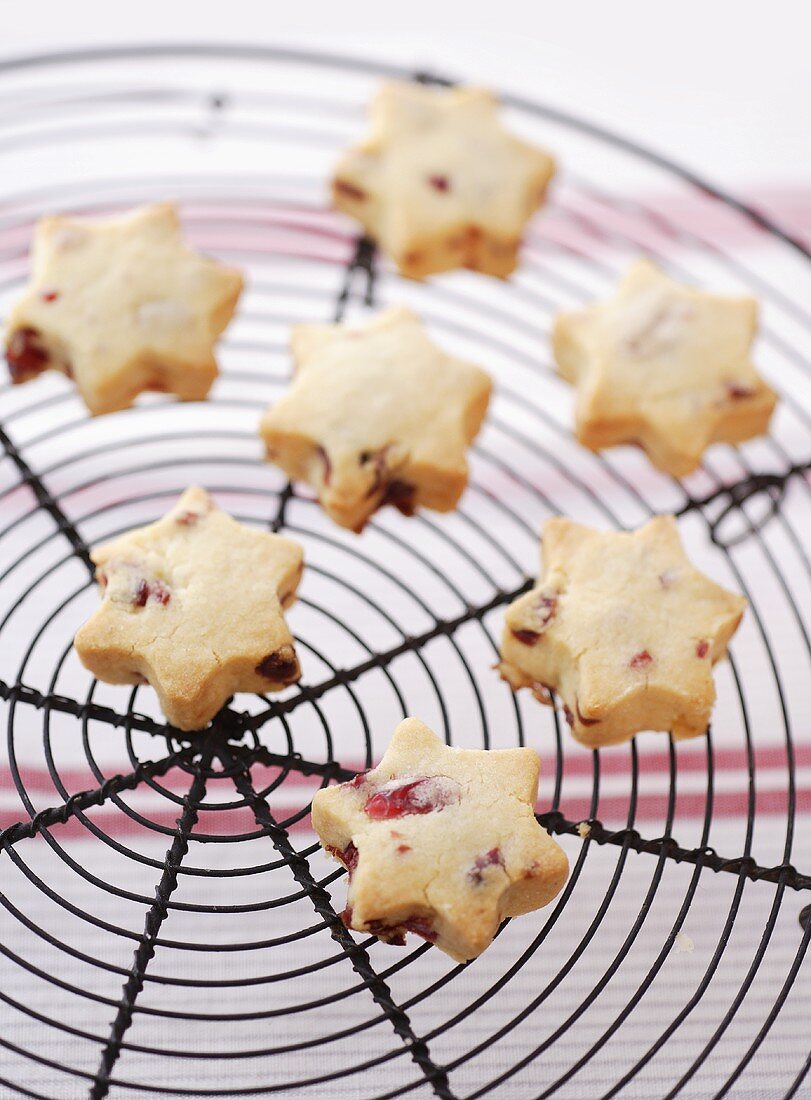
(49, 295)
(641, 659)
(396, 933)
(403, 848)
(349, 190)
(26, 355)
(358, 781)
(526, 637)
(546, 608)
(703, 648)
(160, 593)
(280, 666)
(348, 856)
(346, 917)
(418, 796)
(421, 926)
(401, 495)
(439, 183)
(567, 714)
(738, 392)
(188, 519)
(154, 590)
(493, 858)
(391, 933)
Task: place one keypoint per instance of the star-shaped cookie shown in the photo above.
(121, 306)
(193, 605)
(624, 629)
(440, 841)
(376, 414)
(665, 366)
(439, 183)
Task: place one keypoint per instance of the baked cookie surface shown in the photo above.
(376, 414)
(665, 366)
(440, 841)
(121, 306)
(439, 183)
(624, 628)
(193, 605)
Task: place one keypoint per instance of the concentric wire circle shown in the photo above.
(168, 923)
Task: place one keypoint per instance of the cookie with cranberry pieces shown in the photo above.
(440, 841)
(624, 628)
(194, 605)
(121, 306)
(377, 414)
(665, 366)
(439, 183)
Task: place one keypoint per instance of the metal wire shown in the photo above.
(237, 750)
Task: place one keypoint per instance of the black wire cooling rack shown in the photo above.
(168, 924)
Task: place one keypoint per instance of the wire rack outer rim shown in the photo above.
(629, 839)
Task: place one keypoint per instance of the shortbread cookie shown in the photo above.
(665, 366)
(193, 605)
(376, 415)
(439, 183)
(121, 306)
(624, 629)
(440, 841)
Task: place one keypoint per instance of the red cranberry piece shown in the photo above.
(419, 796)
(703, 648)
(567, 714)
(395, 933)
(348, 856)
(403, 848)
(391, 933)
(280, 666)
(543, 612)
(49, 295)
(737, 392)
(349, 190)
(641, 659)
(359, 779)
(188, 519)
(160, 593)
(421, 926)
(493, 858)
(546, 607)
(401, 495)
(346, 916)
(25, 354)
(439, 183)
(394, 491)
(155, 590)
